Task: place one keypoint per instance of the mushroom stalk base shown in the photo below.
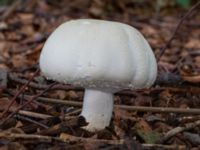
(97, 109)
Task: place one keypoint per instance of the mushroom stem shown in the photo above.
(97, 109)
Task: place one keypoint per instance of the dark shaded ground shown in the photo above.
(24, 28)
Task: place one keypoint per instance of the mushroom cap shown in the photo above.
(98, 54)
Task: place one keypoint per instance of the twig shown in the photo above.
(32, 121)
(130, 108)
(70, 138)
(17, 136)
(172, 147)
(167, 79)
(34, 114)
(176, 29)
(36, 96)
(67, 137)
(25, 104)
(177, 130)
(58, 101)
(159, 109)
(63, 138)
(164, 79)
(77, 111)
(20, 91)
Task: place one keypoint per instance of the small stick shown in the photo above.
(172, 147)
(164, 79)
(159, 109)
(130, 108)
(31, 114)
(34, 114)
(176, 29)
(25, 104)
(168, 79)
(177, 130)
(70, 138)
(77, 111)
(67, 137)
(32, 121)
(17, 136)
(19, 92)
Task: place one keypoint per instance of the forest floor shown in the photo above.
(38, 114)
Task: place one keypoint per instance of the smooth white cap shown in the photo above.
(98, 54)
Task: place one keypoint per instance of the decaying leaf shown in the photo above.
(145, 132)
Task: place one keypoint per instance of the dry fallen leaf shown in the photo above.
(22, 36)
(145, 132)
(19, 61)
(193, 43)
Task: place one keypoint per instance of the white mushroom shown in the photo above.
(103, 57)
